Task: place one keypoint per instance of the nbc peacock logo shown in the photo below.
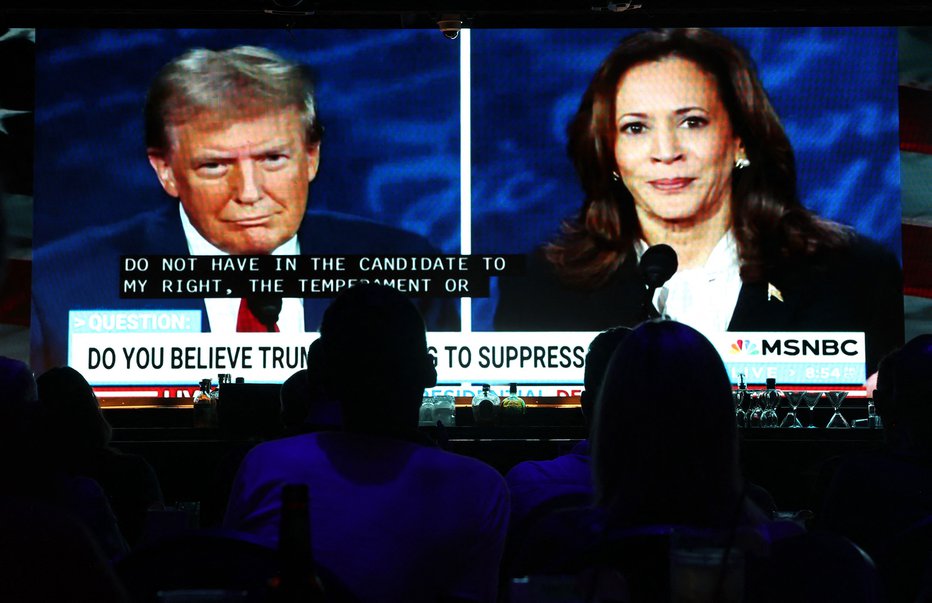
(745, 347)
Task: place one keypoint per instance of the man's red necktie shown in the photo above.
(246, 321)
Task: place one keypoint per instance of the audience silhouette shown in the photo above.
(32, 467)
(659, 383)
(49, 555)
(304, 409)
(671, 502)
(536, 486)
(665, 441)
(875, 498)
(78, 434)
(295, 398)
(393, 517)
(58, 530)
(305, 405)
(552, 519)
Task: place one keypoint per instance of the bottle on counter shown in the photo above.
(297, 579)
(205, 406)
(873, 419)
(223, 379)
(770, 400)
(742, 401)
(513, 406)
(486, 406)
(426, 414)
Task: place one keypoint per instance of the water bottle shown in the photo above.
(485, 406)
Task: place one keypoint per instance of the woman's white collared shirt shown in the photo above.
(703, 297)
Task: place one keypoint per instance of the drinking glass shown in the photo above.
(793, 399)
(426, 415)
(837, 421)
(811, 400)
(755, 412)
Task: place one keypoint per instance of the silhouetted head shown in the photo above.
(904, 393)
(664, 447)
(24, 460)
(19, 406)
(600, 352)
(73, 416)
(373, 357)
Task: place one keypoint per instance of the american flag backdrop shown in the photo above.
(916, 175)
(17, 99)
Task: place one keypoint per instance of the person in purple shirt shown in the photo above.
(540, 486)
(393, 517)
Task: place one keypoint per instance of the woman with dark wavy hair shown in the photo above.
(676, 142)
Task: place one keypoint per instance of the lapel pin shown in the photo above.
(773, 293)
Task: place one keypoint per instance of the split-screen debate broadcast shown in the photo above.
(187, 202)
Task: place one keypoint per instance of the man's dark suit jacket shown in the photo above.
(82, 272)
(857, 289)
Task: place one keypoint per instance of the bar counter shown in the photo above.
(791, 463)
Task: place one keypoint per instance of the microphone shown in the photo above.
(657, 265)
(266, 309)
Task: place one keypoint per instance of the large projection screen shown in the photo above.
(430, 147)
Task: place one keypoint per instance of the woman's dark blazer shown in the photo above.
(858, 288)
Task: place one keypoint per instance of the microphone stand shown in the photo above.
(656, 266)
(648, 309)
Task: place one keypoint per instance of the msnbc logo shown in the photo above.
(744, 347)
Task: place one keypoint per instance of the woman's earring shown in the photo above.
(616, 176)
(742, 162)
